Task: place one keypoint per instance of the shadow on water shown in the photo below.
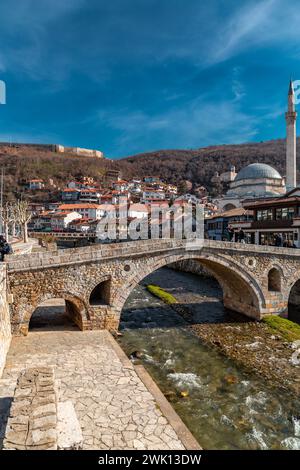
(164, 316)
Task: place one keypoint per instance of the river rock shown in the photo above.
(136, 355)
(170, 396)
(230, 379)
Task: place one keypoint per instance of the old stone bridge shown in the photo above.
(95, 281)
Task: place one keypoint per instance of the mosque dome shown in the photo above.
(257, 171)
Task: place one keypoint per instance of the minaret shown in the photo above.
(290, 117)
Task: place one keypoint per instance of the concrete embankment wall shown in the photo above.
(5, 330)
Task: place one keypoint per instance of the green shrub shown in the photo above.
(161, 294)
(286, 328)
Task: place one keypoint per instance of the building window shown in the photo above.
(285, 213)
(266, 214)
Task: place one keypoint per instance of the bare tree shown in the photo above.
(23, 215)
(7, 216)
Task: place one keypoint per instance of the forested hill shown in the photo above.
(198, 165)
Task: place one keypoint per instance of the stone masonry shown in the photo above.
(5, 326)
(32, 420)
(243, 272)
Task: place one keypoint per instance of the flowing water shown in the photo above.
(226, 407)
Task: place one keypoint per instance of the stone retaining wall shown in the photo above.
(5, 328)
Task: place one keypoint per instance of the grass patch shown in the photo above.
(162, 294)
(288, 329)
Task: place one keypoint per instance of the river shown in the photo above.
(226, 407)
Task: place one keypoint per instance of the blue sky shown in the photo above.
(130, 76)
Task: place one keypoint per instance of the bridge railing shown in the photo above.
(129, 249)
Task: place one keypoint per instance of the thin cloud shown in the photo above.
(198, 124)
(256, 24)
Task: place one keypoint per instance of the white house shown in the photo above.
(82, 225)
(91, 195)
(150, 194)
(120, 185)
(88, 210)
(60, 220)
(138, 211)
(36, 184)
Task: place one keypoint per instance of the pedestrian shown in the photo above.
(241, 236)
(5, 248)
(230, 233)
(2, 245)
(278, 239)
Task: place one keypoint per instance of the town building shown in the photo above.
(253, 181)
(88, 210)
(216, 226)
(35, 184)
(151, 180)
(112, 175)
(120, 185)
(276, 221)
(59, 221)
(151, 195)
(82, 225)
(91, 195)
(70, 194)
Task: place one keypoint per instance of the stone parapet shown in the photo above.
(142, 247)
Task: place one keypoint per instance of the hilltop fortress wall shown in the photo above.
(57, 148)
(78, 151)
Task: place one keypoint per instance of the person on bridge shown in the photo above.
(229, 233)
(278, 239)
(241, 236)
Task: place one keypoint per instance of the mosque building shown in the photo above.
(273, 203)
(259, 180)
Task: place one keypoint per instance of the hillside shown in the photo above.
(198, 166)
(22, 163)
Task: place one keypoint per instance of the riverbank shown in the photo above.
(224, 405)
(254, 345)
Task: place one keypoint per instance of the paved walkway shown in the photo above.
(114, 408)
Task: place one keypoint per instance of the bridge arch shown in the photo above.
(241, 291)
(293, 301)
(99, 294)
(75, 307)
